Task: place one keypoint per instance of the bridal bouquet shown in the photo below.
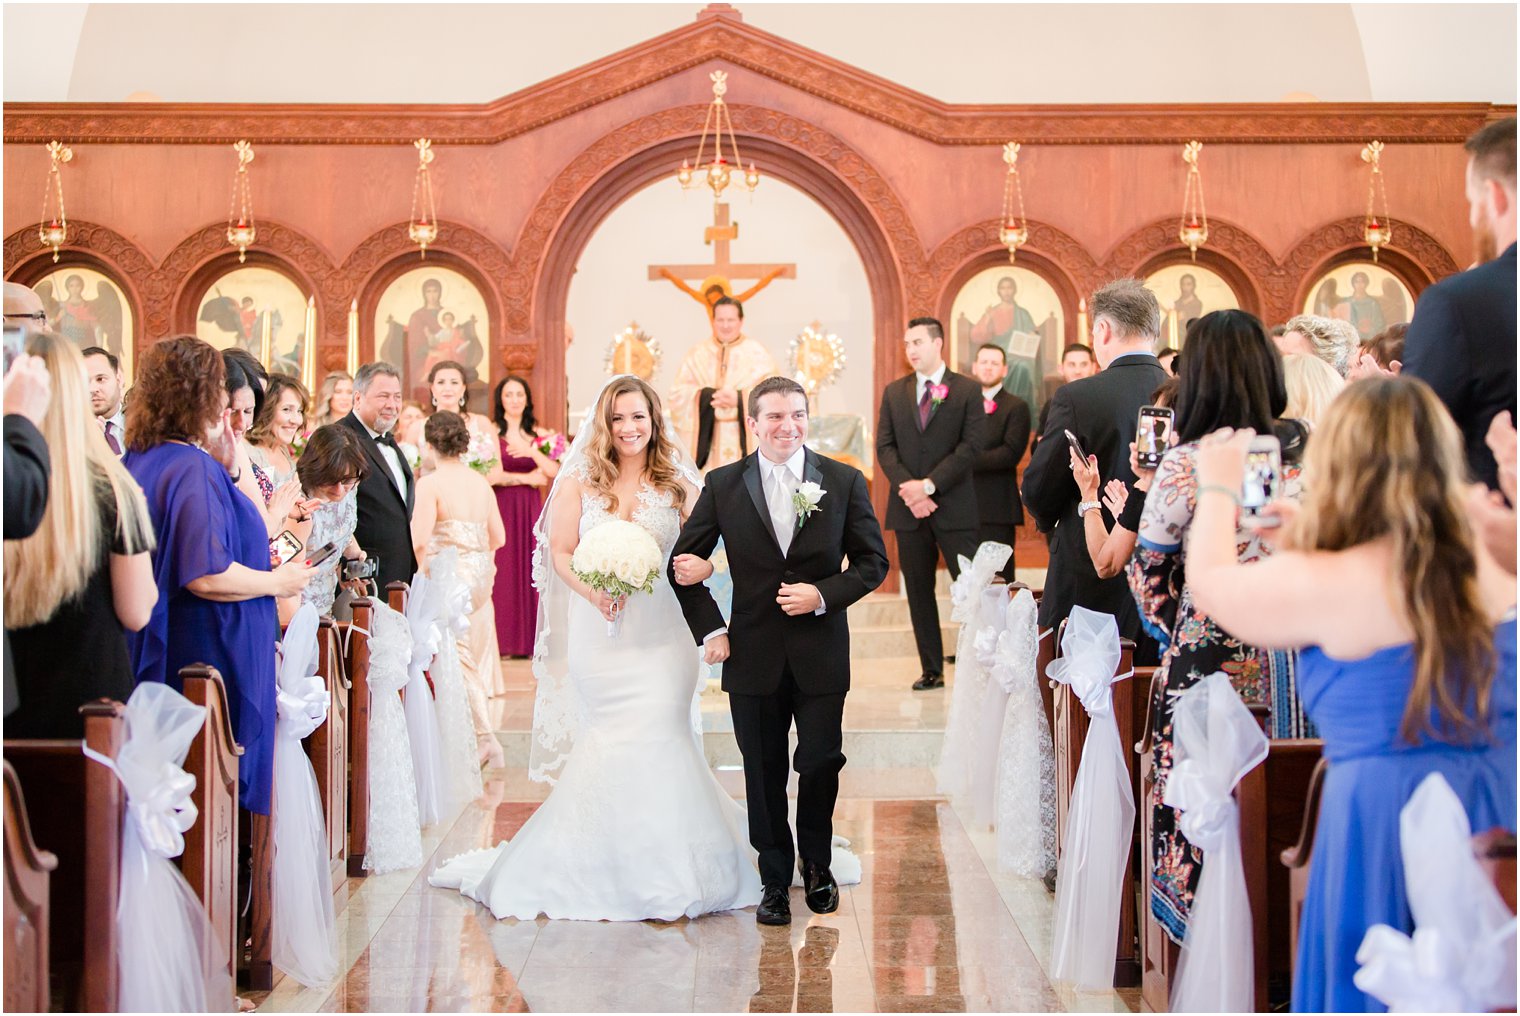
(481, 454)
(618, 558)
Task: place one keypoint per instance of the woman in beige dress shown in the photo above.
(455, 507)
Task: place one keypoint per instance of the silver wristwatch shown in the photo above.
(1083, 507)
(929, 487)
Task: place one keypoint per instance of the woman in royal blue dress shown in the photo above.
(1406, 631)
(215, 588)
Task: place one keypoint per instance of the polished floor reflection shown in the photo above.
(929, 929)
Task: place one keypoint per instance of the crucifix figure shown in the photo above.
(706, 401)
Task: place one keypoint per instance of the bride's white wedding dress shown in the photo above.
(637, 827)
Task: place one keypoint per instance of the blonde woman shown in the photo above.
(335, 399)
(85, 575)
(1405, 629)
(1312, 385)
(281, 419)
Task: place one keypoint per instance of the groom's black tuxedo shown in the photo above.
(782, 668)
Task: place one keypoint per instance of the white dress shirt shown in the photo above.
(392, 458)
(926, 379)
(116, 427)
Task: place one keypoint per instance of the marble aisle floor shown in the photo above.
(929, 929)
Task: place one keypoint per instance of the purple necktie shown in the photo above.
(923, 408)
(111, 440)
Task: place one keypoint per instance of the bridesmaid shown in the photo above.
(448, 390)
(519, 481)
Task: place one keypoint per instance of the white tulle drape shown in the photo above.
(171, 958)
(449, 601)
(1215, 742)
(433, 797)
(953, 775)
(304, 941)
(1101, 820)
(395, 834)
(1461, 957)
(1025, 802)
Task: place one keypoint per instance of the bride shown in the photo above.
(636, 827)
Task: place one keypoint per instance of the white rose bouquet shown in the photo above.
(618, 558)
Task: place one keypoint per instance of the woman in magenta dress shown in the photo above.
(526, 468)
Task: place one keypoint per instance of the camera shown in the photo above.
(360, 569)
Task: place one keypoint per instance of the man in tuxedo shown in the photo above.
(1102, 411)
(1462, 339)
(385, 496)
(103, 375)
(786, 650)
(995, 469)
(930, 429)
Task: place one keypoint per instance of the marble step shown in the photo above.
(887, 610)
(894, 641)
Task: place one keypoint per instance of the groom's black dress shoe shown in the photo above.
(929, 681)
(775, 905)
(819, 888)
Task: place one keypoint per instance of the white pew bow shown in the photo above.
(395, 830)
(433, 797)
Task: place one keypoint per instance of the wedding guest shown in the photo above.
(519, 481)
(1492, 511)
(216, 591)
(280, 421)
(1077, 362)
(1331, 339)
(1462, 338)
(448, 392)
(1102, 412)
(412, 417)
(329, 471)
(27, 393)
(1405, 630)
(1311, 384)
(103, 374)
(995, 470)
(1168, 360)
(932, 425)
(386, 494)
(1232, 377)
(455, 509)
(244, 397)
(335, 398)
(83, 575)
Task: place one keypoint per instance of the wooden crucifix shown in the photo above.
(716, 279)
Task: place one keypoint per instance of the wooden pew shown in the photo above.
(1296, 857)
(1158, 953)
(1496, 852)
(28, 870)
(357, 665)
(327, 747)
(81, 825)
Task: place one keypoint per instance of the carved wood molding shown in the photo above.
(1346, 234)
(975, 242)
(722, 36)
(26, 260)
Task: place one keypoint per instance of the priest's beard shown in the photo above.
(1485, 246)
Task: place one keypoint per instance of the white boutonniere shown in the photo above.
(805, 500)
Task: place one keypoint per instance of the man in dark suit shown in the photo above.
(787, 542)
(1462, 339)
(995, 469)
(386, 495)
(1102, 412)
(930, 428)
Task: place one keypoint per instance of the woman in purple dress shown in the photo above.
(526, 468)
(216, 591)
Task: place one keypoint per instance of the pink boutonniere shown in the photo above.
(937, 394)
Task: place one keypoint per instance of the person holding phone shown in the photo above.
(329, 470)
(1232, 377)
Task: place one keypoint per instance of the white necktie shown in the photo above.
(783, 518)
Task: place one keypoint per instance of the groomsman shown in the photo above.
(386, 494)
(103, 374)
(1007, 435)
(930, 429)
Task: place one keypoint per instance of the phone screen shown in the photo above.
(15, 344)
(1153, 435)
(1259, 487)
(286, 546)
(1076, 445)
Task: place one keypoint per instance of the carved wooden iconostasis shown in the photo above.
(916, 184)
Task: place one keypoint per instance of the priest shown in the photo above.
(707, 400)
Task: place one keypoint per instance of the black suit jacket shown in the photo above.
(385, 513)
(27, 465)
(1101, 411)
(944, 451)
(1007, 433)
(762, 638)
(1462, 343)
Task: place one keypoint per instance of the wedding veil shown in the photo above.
(556, 707)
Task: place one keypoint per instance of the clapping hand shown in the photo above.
(222, 442)
(1115, 495)
(1501, 440)
(28, 388)
(1221, 458)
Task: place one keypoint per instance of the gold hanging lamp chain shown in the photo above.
(54, 232)
(1194, 231)
(1377, 229)
(423, 231)
(241, 228)
(1014, 232)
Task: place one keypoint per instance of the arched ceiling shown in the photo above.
(958, 53)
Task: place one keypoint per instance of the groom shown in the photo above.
(789, 518)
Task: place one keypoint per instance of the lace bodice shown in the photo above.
(656, 512)
(333, 522)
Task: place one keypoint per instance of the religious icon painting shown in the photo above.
(1185, 292)
(428, 316)
(1369, 296)
(257, 309)
(89, 308)
(1018, 311)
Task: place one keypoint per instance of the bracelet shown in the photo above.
(1220, 489)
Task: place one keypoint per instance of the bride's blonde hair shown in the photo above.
(659, 455)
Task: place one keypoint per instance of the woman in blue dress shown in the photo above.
(1406, 629)
(215, 587)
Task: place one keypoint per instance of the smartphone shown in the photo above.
(285, 546)
(359, 569)
(322, 554)
(1076, 445)
(15, 344)
(1153, 435)
(1262, 480)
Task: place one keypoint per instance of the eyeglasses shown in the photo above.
(33, 316)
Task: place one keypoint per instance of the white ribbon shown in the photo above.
(1216, 741)
(1461, 957)
(1101, 819)
(302, 698)
(975, 575)
(422, 614)
(163, 810)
